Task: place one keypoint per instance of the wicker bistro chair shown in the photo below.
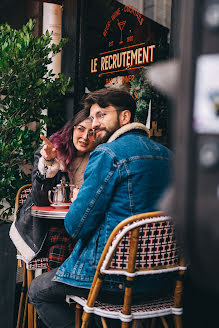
(30, 270)
(143, 244)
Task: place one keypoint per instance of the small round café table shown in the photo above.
(49, 212)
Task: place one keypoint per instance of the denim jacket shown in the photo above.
(125, 176)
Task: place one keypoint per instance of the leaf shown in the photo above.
(39, 82)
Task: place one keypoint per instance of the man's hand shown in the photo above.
(75, 193)
(48, 151)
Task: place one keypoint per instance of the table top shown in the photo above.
(48, 212)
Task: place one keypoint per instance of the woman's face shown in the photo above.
(83, 137)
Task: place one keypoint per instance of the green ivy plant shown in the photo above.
(27, 87)
(143, 91)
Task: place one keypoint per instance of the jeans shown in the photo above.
(48, 297)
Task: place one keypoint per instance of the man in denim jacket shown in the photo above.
(125, 175)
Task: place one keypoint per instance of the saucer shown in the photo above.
(63, 205)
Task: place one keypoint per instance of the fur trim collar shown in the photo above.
(126, 128)
(51, 170)
(20, 244)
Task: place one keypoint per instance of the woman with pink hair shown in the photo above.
(61, 158)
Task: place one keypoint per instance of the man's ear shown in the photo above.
(124, 117)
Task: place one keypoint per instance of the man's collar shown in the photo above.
(126, 128)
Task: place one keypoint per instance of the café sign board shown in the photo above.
(120, 42)
(127, 42)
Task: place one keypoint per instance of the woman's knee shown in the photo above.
(33, 291)
(41, 287)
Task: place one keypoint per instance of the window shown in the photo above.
(122, 39)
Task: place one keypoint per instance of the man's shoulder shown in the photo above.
(103, 151)
(105, 148)
(134, 143)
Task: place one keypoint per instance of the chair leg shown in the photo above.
(134, 323)
(85, 319)
(141, 324)
(78, 309)
(178, 321)
(125, 324)
(164, 322)
(104, 324)
(30, 306)
(34, 318)
(21, 308)
(25, 312)
(153, 322)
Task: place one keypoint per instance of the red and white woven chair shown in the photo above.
(143, 244)
(30, 270)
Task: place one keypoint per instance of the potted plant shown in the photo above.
(27, 87)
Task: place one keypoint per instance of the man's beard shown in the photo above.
(100, 139)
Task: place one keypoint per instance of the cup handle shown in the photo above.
(49, 196)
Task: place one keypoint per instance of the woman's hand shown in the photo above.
(75, 193)
(48, 151)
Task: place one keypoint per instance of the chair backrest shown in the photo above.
(153, 250)
(141, 244)
(22, 195)
(39, 263)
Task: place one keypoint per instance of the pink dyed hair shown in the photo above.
(62, 139)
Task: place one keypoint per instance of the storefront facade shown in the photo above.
(112, 44)
(121, 40)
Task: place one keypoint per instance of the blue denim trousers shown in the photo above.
(48, 297)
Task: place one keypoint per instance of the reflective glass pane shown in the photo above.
(123, 38)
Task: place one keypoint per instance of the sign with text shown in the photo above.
(120, 42)
(114, 62)
(125, 41)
